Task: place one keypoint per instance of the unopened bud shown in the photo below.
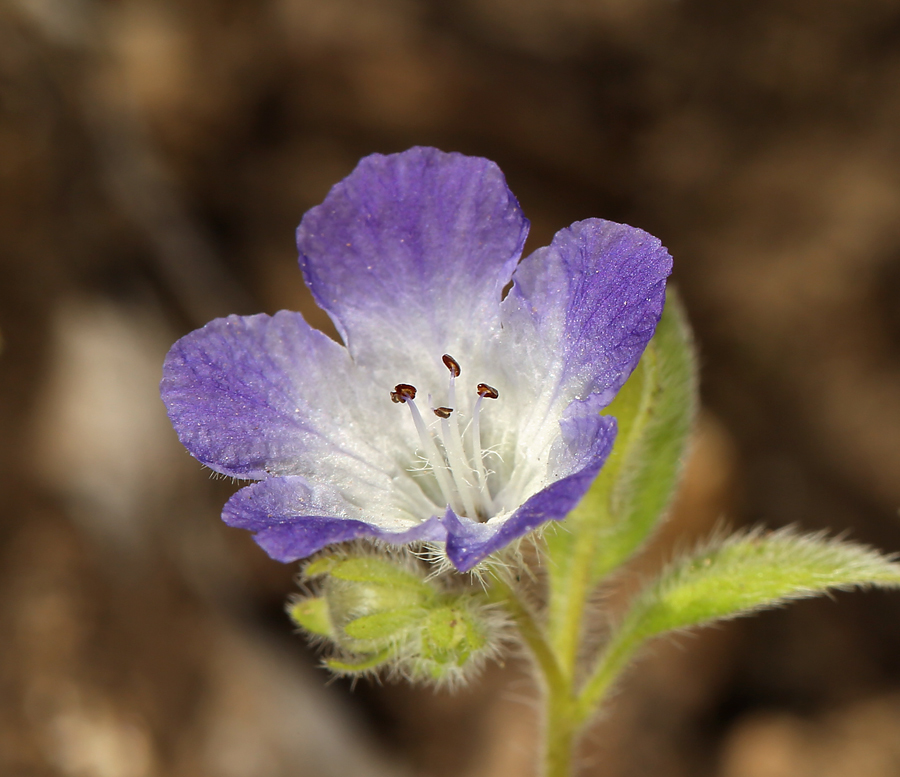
(385, 612)
(452, 635)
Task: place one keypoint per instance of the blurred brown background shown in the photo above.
(155, 157)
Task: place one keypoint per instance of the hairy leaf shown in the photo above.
(752, 571)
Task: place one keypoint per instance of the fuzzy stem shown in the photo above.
(567, 609)
(561, 722)
(613, 660)
(501, 592)
(561, 728)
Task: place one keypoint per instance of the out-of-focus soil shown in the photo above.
(155, 157)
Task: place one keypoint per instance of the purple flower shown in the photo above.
(451, 414)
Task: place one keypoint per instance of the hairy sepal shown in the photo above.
(383, 614)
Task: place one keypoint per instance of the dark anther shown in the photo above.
(403, 392)
(443, 412)
(451, 364)
(486, 391)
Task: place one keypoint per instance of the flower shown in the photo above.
(451, 413)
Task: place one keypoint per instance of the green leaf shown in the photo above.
(732, 577)
(752, 571)
(654, 411)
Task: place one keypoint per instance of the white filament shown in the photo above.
(434, 457)
(463, 482)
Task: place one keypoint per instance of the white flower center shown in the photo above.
(453, 450)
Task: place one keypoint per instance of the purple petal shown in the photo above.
(469, 542)
(259, 395)
(410, 253)
(292, 519)
(594, 295)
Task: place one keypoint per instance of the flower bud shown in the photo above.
(385, 612)
(452, 635)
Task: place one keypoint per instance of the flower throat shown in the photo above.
(461, 476)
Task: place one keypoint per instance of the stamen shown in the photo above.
(485, 391)
(434, 456)
(464, 488)
(451, 364)
(403, 392)
(476, 444)
(453, 444)
(459, 467)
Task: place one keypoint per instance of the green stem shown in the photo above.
(561, 709)
(566, 617)
(611, 663)
(567, 611)
(567, 712)
(500, 591)
(561, 729)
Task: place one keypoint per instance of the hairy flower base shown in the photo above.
(383, 613)
(501, 431)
